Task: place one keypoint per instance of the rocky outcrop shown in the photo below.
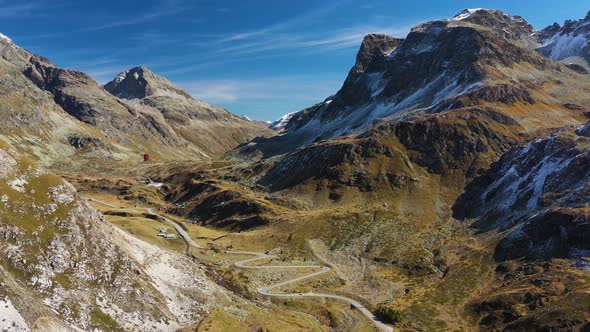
(544, 173)
(159, 115)
(340, 162)
(538, 193)
(441, 144)
(372, 55)
(501, 93)
(455, 140)
(12, 53)
(152, 115)
(80, 96)
(31, 119)
(206, 203)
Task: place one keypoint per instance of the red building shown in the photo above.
(147, 157)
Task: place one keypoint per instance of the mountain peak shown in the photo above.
(135, 71)
(511, 27)
(466, 13)
(140, 82)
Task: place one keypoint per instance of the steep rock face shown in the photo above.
(557, 233)
(32, 121)
(84, 99)
(567, 43)
(546, 172)
(498, 94)
(534, 201)
(280, 123)
(371, 59)
(584, 130)
(373, 54)
(12, 53)
(463, 140)
(340, 162)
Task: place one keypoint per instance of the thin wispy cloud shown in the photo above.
(9, 10)
(305, 18)
(163, 9)
(282, 90)
(104, 75)
(140, 19)
(216, 51)
(261, 88)
(192, 49)
(301, 42)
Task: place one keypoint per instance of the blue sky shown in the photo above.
(257, 58)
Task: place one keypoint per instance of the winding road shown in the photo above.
(265, 291)
(176, 226)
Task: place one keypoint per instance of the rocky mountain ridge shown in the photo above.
(166, 122)
(363, 79)
(567, 43)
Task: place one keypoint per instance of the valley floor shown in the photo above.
(271, 280)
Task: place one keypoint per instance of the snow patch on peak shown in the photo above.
(121, 77)
(466, 13)
(282, 122)
(4, 38)
(390, 52)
